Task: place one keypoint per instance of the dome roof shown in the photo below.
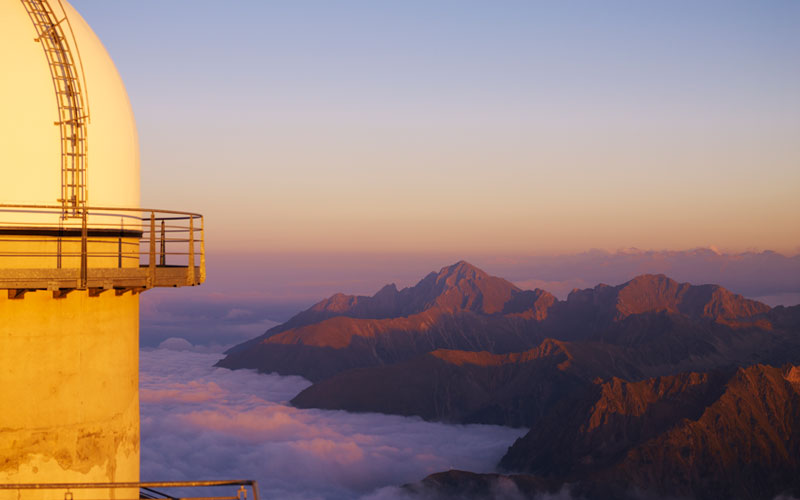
(30, 142)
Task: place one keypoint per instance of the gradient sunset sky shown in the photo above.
(440, 126)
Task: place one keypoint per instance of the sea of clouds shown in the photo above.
(200, 422)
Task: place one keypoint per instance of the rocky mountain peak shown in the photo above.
(463, 286)
(461, 271)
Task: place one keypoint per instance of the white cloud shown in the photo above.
(200, 422)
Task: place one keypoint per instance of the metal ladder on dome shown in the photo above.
(73, 108)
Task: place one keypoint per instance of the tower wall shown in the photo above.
(69, 410)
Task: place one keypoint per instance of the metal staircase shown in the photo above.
(73, 107)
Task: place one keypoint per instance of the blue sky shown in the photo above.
(494, 127)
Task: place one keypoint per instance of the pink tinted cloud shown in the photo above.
(192, 392)
(204, 422)
(259, 424)
(327, 450)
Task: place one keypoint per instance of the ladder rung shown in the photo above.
(78, 121)
(48, 29)
(50, 36)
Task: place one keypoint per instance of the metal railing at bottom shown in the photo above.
(235, 489)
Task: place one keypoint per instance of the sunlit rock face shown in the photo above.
(69, 410)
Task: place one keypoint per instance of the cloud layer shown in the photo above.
(211, 319)
(200, 422)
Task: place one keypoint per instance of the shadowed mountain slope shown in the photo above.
(732, 434)
(460, 386)
(518, 388)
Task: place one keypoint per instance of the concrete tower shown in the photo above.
(70, 273)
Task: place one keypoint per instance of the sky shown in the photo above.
(491, 128)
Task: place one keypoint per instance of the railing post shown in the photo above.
(162, 261)
(119, 242)
(202, 251)
(152, 270)
(58, 244)
(84, 249)
(190, 277)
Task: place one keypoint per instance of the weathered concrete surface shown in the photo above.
(69, 405)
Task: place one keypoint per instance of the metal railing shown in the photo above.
(108, 247)
(67, 491)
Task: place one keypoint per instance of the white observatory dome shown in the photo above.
(30, 142)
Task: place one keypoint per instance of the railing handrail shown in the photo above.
(178, 238)
(137, 484)
(88, 208)
(128, 484)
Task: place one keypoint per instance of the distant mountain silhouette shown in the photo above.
(590, 312)
(461, 307)
(753, 274)
(673, 326)
(460, 287)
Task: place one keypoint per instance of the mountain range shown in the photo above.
(620, 385)
(650, 325)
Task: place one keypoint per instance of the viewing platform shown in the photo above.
(120, 249)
